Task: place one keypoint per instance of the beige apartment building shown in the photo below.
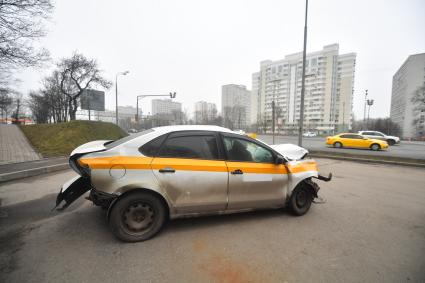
(329, 88)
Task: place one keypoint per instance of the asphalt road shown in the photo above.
(371, 229)
(405, 149)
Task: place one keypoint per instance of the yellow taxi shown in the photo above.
(355, 141)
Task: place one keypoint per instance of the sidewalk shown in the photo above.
(14, 171)
(14, 146)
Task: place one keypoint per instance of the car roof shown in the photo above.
(176, 128)
(349, 134)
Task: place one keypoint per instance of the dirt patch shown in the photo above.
(223, 269)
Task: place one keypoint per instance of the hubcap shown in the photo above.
(301, 198)
(138, 217)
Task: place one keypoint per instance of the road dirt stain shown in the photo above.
(221, 267)
(224, 269)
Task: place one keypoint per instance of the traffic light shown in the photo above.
(172, 95)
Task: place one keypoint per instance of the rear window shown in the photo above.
(126, 139)
(197, 147)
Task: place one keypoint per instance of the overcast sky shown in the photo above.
(194, 47)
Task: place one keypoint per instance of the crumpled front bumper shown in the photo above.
(72, 190)
(324, 178)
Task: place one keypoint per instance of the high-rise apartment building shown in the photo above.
(165, 106)
(235, 106)
(407, 81)
(329, 87)
(205, 112)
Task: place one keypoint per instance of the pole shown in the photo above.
(368, 112)
(364, 113)
(301, 120)
(343, 116)
(116, 99)
(137, 110)
(273, 119)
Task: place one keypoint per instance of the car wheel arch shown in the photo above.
(144, 190)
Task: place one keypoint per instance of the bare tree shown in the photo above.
(17, 105)
(21, 23)
(56, 101)
(5, 103)
(39, 107)
(77, 74)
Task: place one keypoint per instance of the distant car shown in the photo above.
(132, 131)
(178, 171)
(391, 140)
(309, 134)
(355, 141)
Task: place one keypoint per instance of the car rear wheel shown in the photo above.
(375, 147)
(338, 145)
(137, 217)
(391, 142)
(301, 200)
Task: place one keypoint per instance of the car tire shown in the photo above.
(375, 147)
(338, 145)
(301, 199)
(137, 217)
(391, 142)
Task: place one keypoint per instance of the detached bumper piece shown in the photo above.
(323, 178)
(72, 190)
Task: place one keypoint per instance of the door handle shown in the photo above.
(167, 170)
(237, 172)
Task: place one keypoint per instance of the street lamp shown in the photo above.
(170, 94)
(369, 103)
(116, 93)
(301, 120)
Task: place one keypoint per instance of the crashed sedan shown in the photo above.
(178, 171)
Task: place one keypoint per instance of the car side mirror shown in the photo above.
(279, 160)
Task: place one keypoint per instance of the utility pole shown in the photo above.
(364, 113)
(369, 103)
(301, 120)
(273, 118)
(343, 116)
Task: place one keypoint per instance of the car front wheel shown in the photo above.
(391, 142)
(137, 217)
(301, 199)
(375, 147)
(338, 145)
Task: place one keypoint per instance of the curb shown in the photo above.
(32, 172)
(401, 162)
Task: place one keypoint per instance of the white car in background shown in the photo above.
(391, 140)
(309, 134)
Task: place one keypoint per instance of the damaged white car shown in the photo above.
(177, 171)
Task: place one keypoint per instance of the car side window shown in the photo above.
(344, 136)
(378, 134)
(244, 150)
(151, 148)
(196, 147)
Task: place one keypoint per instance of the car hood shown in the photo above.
(290, 151)
(92, 146)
